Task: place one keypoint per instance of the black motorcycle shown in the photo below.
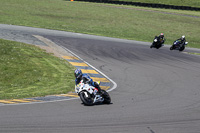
(178, 46)
(156, 43)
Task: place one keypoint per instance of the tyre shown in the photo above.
(182, 48)
(106, 97)
(86, 100)
(171, 48)
(152, 45)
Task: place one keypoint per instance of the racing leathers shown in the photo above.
(182, 41)
(87, 79)
(161, 39)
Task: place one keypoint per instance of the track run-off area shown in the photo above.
(153, 90)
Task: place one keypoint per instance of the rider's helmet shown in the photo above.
(183, 37)
(161, 34)
(77, 73)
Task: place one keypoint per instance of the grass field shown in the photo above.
(192, 3)
(27, 71)
(126, 22)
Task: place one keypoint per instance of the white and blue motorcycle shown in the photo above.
(178, 46)
(89, 94)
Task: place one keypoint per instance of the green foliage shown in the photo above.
(28, 71)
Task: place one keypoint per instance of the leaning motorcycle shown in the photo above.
(156, 43)
(178, 46)
(89, 96)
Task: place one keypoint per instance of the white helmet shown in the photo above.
(182, 37)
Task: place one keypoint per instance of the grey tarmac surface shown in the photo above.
(158, 91)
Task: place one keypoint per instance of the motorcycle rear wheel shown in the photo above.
(86, 100)
(182, 48)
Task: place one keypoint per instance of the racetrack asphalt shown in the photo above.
(158, 91)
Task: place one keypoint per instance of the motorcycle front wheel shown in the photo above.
(171, 48)
(86, 98)
(106, 97)
(152, 45)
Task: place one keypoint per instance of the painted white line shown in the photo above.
(43, 38)
(114, 84)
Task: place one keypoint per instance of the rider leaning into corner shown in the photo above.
(182, 39)
(161, 38)
(86, 79)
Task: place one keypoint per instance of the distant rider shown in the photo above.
(161, 38)
(86, 79)
(182, 39)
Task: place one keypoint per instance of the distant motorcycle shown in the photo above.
(178, 46)
(156, 43)
(89, 96)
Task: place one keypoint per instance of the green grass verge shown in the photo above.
(126, 22)
(192, 3)
(28, 71)
(194, 53)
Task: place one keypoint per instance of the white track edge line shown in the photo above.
(114, 84)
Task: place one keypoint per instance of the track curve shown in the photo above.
(158, 90)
